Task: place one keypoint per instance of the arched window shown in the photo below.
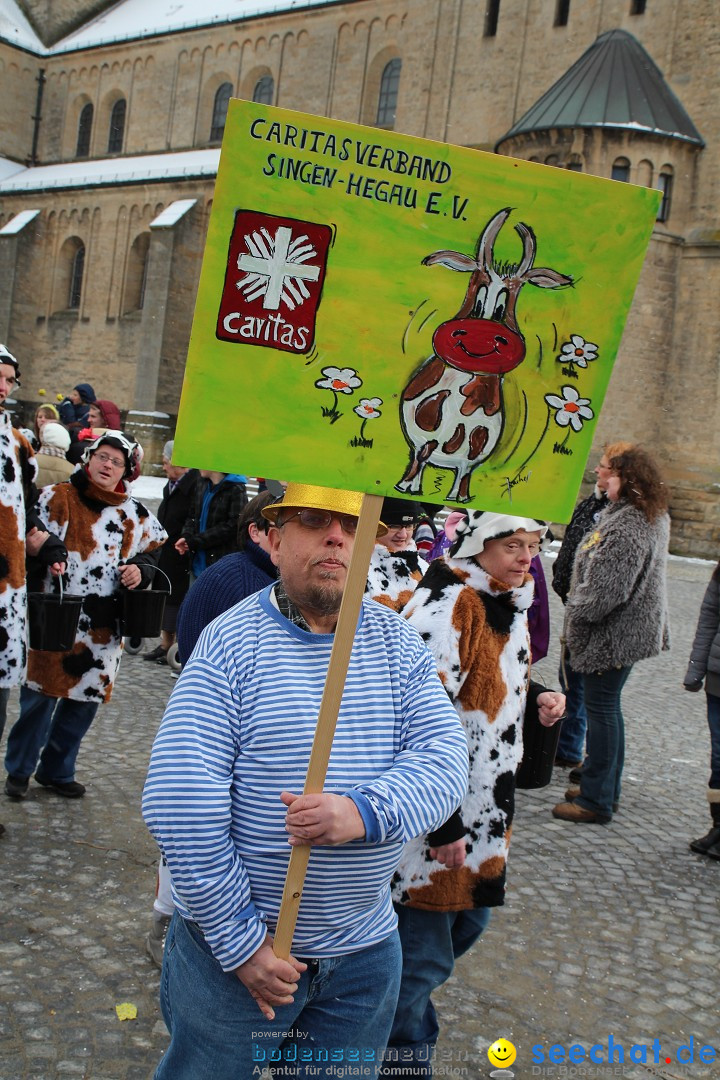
(77, 269)
(117, 127)
(136, 276)
(220, 108)
(644, 173)
(575, 164)
(387, 99)
(264, 90)
(620, 170)
(665, 184)
(84, 131)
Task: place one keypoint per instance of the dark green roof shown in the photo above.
(614, 84)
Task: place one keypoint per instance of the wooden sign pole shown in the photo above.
(329, 709)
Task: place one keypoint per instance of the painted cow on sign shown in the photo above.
(452, 410)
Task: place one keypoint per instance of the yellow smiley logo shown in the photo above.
(502, 1054)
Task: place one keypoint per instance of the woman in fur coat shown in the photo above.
(616, 614)
(471, 610)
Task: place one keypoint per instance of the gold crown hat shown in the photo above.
(307, 496)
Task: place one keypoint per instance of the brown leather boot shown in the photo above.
(571, 811)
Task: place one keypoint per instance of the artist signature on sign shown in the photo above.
(512, 481)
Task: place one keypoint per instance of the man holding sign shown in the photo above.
(220, 799)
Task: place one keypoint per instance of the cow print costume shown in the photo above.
(101, 529)
(17, 477)
(393, 576)
(476, 628)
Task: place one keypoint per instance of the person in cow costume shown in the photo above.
(395, 565)
(20, 535)
(471, 610)
(112, 541)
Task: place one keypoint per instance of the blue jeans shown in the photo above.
(4, 695)
(58, 725)
(602, 772)
(571, 744)
(431, 943)
(341, 1014)
(713, 715)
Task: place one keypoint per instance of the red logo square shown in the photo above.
(273, 282)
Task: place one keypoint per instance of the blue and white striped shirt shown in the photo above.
(238, 730)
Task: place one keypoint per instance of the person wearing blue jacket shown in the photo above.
(211, 530)
(74, 408)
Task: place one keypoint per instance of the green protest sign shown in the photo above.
(402, 317)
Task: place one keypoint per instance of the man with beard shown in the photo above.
(221, 800)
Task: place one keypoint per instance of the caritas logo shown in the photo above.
(274, 280)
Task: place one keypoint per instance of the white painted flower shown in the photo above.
(570, 408)
(368, 408)
(339, 380)
(577, 351)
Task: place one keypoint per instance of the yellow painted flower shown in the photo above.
(42, 393)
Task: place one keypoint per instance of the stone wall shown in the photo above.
(18, 78)
(100, 342)
(456, 85)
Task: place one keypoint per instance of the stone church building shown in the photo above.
(110, 141)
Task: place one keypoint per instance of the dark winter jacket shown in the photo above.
(221, 587)
(75, 416)
(211, 527)
(705, 653)
(616, 612)
(584, 519)
(172, 513)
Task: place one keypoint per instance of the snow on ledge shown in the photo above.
(120, 170)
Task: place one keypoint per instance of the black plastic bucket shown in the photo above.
(539, 749)
(142, 611)
(53, 620)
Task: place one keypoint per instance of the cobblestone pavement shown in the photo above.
(608, 932)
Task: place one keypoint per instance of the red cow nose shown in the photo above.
(481, 346)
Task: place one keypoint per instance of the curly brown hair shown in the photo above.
(641, 482)
(614, 449)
